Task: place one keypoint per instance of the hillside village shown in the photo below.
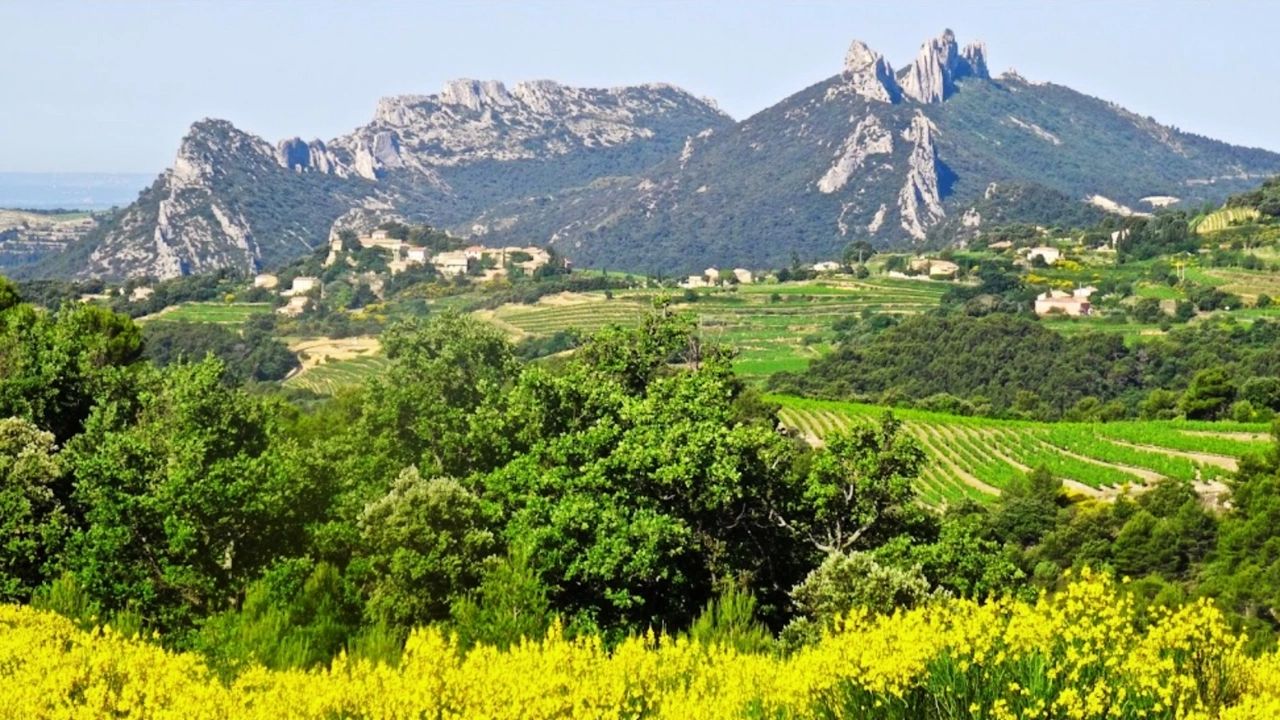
(1081, 275)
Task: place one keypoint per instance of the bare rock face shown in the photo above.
(920, 200)
(931, 77)
(300, 156)
(974, 57)
(188, 229)
(869, 74)
(437, 156)
(869, 138)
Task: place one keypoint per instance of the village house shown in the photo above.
(712, 275)
(744, 277)
(265, 280)
(934, 268)
(302, 285)
(695, 281)
(943, 269)
(452, 263)
(1063, 303)
(826, 266)
(1050, 255)
(381, 239)
(335, 247)
(141, 293)
(417, 255)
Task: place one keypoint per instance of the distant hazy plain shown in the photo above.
(71, 191)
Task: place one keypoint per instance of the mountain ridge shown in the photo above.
(650, 178)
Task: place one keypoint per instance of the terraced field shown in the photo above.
(329, 377)
(976, 457)
(1225, 218)
(210, 312)
(774, 327)
(586, 312)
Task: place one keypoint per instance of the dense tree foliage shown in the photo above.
(252, 354)
(637, 483)
(1011, 364)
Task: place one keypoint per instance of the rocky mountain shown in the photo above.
(653, 179)
(234, 199)
(883, 155)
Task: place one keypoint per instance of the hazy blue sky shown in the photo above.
(112, 86)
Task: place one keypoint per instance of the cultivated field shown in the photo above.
(975, 457)
(330, 377)
(773, 327)
(330, 364)
(1225, 218)
(210, 312)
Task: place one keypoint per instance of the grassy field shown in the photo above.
(774, 327)
(210, 312)
(975, 457)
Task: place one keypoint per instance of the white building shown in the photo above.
(744, 277)
(712, 275)
(1050, 255)
(826, 266)
(452, 263)
(417, 255)
(302, 285)
(265, 280)
(934, 268)
(1056, 301)
(943, 269)
(141, 293)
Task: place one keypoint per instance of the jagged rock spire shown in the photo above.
(931, 77)
(869, 74)
(974, 56)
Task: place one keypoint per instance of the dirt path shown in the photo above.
(1223, 461)
(995, 450)
(1108, 494)
(1242, 436)
(159, 313)
(491, 317)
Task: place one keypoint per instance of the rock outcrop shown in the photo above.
(653, 179)
(974, 57)
(233, 200)
(869, 74)
(931, 77)
(920, 200)
(869, 138)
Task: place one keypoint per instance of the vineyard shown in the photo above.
(1225, 218)
(329, 377)
(973, 458)
(773, 327)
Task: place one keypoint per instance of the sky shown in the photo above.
(111, 86)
